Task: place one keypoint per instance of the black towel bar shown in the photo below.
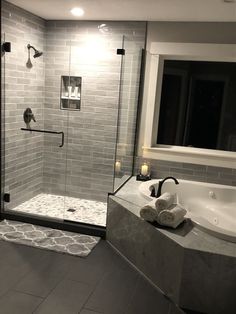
(49, 132)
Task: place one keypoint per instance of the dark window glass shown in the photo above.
(198, 105)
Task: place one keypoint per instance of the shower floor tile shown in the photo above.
(56, 206)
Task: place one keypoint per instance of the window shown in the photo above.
(197, 107)
(177, 131)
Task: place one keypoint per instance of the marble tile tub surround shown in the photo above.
(189, 238)
(188, 171)
(187, 264)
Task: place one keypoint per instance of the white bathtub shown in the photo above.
(212, 207)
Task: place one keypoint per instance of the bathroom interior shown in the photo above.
(94, 113)
(69, 114)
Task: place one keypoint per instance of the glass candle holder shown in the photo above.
(117, 166)
(144, 172)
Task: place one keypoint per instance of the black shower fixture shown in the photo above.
(37, 53)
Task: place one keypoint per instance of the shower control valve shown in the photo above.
(28, 116)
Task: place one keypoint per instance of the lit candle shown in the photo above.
(144, 169)
(117, 166)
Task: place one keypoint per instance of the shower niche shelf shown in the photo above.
(70, 92)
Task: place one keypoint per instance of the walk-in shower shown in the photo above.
(82, 94)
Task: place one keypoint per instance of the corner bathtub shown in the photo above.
(212, 207)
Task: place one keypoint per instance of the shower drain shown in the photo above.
(71, 210)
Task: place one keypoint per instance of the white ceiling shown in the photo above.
(146, 10)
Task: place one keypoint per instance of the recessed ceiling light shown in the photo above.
(77, 11)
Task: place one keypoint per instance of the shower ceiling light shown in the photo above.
(77, 11)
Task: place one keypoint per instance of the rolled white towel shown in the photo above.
(164, 201)
(149, 212)
(171, 217)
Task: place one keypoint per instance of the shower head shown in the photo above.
(37, 53)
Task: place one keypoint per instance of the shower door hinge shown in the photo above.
(120, 52)
(6, 47)
(6, 197)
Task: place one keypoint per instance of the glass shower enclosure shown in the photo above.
(68, 118)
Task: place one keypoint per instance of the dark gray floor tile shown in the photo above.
(18, 303)
(68, 283)
(147, 300)
(91, 269)
(102, 255)
(45, 276)
(174, 309)
(84, 311)
(10, 276)
(112, 294)
(193, 312)
(83, 272)
(107, 258)
(67, 298)
(14, 255)
(16, 261)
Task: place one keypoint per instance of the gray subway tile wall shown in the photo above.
(188, 171)
(84, 166)
(24, 88)
(79, 49)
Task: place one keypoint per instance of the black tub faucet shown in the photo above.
(153, 191)
(161, 183)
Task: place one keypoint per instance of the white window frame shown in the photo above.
(179, 51)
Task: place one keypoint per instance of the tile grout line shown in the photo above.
(133, 294)
(95, 286)
(63, 278)
(27, 293)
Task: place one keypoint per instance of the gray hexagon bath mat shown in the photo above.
(47, 238)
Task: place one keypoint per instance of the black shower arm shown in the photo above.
(29, 46)
(49, 132)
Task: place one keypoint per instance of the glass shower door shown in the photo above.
(72, 89)
(128, 108)
(102, 130)
(34, 183)
(2, 123)
(92, 129)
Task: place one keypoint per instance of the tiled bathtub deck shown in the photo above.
(56, 206)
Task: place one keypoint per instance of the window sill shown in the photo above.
(200, 156)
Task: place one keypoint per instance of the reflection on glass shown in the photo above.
(198, 105)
